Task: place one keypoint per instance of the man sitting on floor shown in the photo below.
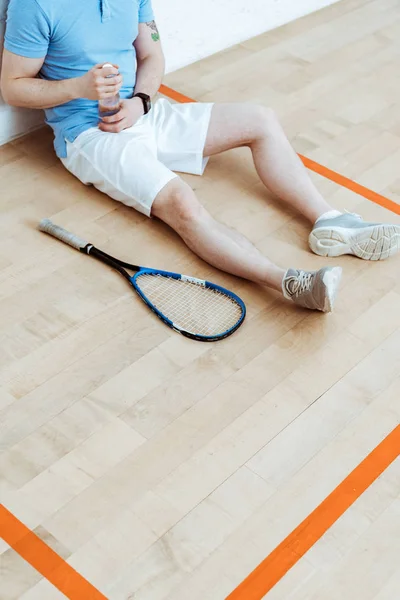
(53, 58)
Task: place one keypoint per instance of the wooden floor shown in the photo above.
(164, 469)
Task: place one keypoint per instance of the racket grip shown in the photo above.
(62, 234)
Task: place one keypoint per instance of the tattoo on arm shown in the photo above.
(155, 36)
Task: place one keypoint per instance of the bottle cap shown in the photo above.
(106, 65)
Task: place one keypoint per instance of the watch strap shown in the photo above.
(145, 98)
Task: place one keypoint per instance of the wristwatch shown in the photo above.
(146, 101)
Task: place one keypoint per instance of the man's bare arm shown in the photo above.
(150, 59)
(150, 71)
(20, 85)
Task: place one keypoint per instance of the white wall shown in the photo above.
(191, 30)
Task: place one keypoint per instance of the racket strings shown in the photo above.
(190, 306)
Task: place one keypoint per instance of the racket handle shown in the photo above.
(62, 234)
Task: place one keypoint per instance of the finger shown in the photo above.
(108, 85)
(114, 127)
(119, 116)
(108, 92)
(101, 73)
(115, 80)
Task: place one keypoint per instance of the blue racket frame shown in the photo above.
(207, 284)
(119, 265)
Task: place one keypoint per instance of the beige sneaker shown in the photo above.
(315, 290)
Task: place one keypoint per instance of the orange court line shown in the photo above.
(297, 543)
(174, 95)
(314, 166)
(40, 556)
(351, 185)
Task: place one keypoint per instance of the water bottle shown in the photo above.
(111, 105)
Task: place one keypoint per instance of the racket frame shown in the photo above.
(121, 266)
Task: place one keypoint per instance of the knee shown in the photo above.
(185, 205)
(266, 121)
(178, 206)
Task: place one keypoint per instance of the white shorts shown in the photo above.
(133, 166)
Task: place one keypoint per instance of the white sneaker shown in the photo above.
(349, 234)
(315, 290)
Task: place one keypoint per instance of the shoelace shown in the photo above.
(302, 282)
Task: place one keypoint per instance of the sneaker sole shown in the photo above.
(331, 280)
(377, 242)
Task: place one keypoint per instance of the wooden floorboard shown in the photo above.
(163, 469)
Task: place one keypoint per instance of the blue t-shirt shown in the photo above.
(73, 36)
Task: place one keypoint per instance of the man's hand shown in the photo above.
(95, 85)
(130, 112)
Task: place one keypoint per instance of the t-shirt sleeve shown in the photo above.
(27, 29)
(146, 13)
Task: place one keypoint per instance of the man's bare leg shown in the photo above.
(283, 173)
(277, 164)
(229, 251)
(214, 242)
